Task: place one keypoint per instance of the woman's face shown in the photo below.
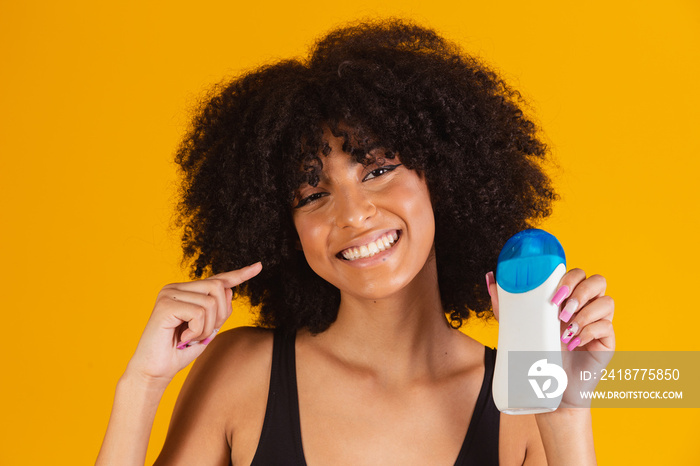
(367, 230)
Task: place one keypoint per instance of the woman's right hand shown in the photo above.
(185, 318)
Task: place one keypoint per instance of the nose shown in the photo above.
(353, 208)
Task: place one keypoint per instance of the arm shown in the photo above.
(135, 403)
(184, 319)
(567, 436)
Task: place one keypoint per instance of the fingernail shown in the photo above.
(210, 338)
(184, 344)
(569, 309)
(574, 343)
(489, 281)
(569, 332)
(559, 296)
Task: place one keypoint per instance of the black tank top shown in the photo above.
(280, 440)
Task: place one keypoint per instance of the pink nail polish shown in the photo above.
(184, 344)
(569, 309)
(574, 343)
(569, 333)
(205, 341)
(559, 296)
(489, 281)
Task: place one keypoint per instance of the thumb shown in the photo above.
(493, 292)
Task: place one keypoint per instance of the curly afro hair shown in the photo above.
(387, 84)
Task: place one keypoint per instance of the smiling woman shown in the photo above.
(371, 186)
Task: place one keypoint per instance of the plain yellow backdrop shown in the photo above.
(94, 97)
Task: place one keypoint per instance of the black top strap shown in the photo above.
(480, 446)
(280, 440)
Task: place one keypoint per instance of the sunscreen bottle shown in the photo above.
(530, 266)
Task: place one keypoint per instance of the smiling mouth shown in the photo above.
(386, 241)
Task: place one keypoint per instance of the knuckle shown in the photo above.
(603, 328)
(196, 324)
(600, 279)
(210, 302)
(573, 278)
(214, 281)
(606, 328)
(162, 299)
(213, 286)
(608, 301)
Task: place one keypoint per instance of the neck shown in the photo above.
(399, 336)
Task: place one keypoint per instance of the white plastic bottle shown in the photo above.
(530, 266)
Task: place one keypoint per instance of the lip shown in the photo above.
(368, 238)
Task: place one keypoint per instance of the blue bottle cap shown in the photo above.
(527, 260)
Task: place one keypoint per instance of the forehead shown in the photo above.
(338, 145)
(335, 162)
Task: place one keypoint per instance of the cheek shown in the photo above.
(418, 205)
(311, 235)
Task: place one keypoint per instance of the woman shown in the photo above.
(371, 187)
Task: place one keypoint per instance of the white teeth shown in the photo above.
(371, 248)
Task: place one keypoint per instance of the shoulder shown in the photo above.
(233, 354)
(241, 345)
(224, 396)
(238, 362)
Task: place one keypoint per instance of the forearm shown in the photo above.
(567, 435)
(135, 404)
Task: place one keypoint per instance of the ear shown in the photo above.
(493, 291)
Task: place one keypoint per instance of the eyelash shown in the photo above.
(308, 199)
(388, 168)
(314, 196)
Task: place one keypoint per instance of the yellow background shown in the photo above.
(94, 98)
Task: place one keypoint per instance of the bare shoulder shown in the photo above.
(237, 366)
(519, 441)
(221, 407)
(248, 346)
(235, 359)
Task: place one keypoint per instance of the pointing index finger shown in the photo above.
(236, 277)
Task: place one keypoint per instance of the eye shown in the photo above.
(310, 198)
(380, 171)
